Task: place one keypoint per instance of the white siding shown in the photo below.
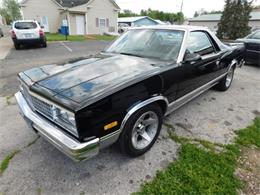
(101, 9)
(255, 24)
(36, 9)
(1, 20)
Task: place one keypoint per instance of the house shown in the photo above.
(81, 16)
(211, 21)
(138, 21)
(1, 20)
(161, 22)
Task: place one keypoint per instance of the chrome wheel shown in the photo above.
(144, 130)
(229, 77)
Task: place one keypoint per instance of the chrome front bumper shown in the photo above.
(67, 144)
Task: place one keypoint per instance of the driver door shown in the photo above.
(200, 72)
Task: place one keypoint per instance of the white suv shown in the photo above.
(27, 32)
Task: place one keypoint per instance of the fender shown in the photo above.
(232, 64)
(140, 105)
(113, 137)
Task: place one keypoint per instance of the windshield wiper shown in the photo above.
(130, 54)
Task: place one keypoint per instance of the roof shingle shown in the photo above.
(71, 3)
(216, 17)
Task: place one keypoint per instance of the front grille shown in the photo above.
(42, 107)
(46, 109)
(26, 94)
(37, 104)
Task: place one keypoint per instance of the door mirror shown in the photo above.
(191, 58)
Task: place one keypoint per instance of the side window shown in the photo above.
(255, 35)
(199, 42)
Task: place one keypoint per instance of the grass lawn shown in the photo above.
(203, 170)
(59, 37)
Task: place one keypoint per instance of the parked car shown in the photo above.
(27, 32)
(122, 94)
(122, 27)
(252, 45)
(1, 33)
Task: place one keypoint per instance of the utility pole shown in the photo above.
(181, 9)
(182, 5)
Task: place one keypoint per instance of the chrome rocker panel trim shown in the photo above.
(65, 143)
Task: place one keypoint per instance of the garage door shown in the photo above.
(80, 24)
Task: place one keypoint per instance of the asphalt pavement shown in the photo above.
(28, 57)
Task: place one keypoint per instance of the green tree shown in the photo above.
(156, 14)
(10, 10)
(196, 14)
(203, 12)
(126, 13)
(234, 20)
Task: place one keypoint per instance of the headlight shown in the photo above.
(65, 119)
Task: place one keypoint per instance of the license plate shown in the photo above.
(28, 35)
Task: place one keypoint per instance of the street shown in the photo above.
(39, 167)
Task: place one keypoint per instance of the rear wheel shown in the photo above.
(225, 83)
(141, 130)
(44, 44)
(16, 46)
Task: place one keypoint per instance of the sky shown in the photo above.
(189, 6)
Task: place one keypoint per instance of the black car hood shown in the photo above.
(91, 79)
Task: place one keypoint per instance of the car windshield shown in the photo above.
(160, 44)
(25, 25)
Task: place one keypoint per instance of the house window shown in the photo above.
(102, 22)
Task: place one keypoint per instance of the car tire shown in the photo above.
(226, 82)
(17, 46)
(44, 44)
(141, 130)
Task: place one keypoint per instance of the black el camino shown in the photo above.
(122, 94)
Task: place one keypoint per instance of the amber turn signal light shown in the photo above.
(110, 125)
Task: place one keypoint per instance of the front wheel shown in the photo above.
(141, 130)
(225, 83)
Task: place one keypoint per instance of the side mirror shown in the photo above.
(42, 27)
(191, 58)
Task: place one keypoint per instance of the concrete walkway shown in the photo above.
(5, 46)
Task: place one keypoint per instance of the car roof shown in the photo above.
(24, 21)
(173, 27)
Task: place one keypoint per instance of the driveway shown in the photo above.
(6, 45)
(40, 168)
(5, 42)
